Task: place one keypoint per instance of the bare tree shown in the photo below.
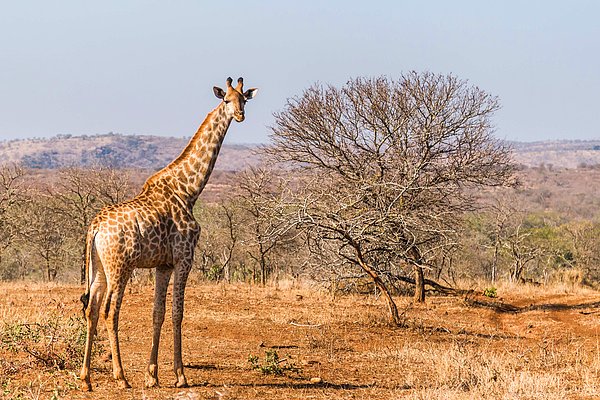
(219, 239)
(390, 166)
(112, 186)
(232, 235)
(584, 238)
(11, 195)
(81, 192)
(45, 233)
(11, 180)
(260, 195)
(499, 228)
(521, 250)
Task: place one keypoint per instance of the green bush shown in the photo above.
(490, 292)
(272, 364)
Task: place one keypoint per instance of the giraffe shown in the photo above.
(156, 229)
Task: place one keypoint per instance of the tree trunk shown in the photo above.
(263, 268)
(518, 270)
(419, 296)
(48, 270)
(436, 286)
(495, 260)
(394, 317)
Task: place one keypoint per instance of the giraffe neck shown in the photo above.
(188, 173)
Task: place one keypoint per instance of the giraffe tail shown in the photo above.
(89, 245)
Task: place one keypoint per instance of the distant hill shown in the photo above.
(154, 152)
(558, 153)
(115, 150)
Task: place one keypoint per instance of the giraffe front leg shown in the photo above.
(179, 283)
(158, 316)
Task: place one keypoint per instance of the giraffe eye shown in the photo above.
(227, 101)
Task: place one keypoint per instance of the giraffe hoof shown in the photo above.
(86, 385)
(150, 381)
(181, 382)
(123, 384)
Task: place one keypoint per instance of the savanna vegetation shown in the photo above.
(379, 188)
(375, 185)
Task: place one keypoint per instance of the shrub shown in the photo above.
(490, 292)
(272, 364)
(54, 343)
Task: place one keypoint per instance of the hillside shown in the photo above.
(558, 153)
(154, 152)
(115, 150)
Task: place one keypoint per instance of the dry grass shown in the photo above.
(532, 344)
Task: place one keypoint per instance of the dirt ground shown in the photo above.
(527, 344)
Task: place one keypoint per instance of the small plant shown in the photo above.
(55, 343)
(490, 292)
(272, 364)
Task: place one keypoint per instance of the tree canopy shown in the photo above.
(389, 167)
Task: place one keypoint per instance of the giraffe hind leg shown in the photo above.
(94, 298)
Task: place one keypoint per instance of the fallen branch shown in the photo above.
(305, 325)
(436, 286)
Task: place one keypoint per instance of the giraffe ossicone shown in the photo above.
(156, 229)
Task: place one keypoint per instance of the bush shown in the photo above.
(272, 364)
(55, 343)
(490, 292)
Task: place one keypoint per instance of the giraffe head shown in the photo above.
(235, 98)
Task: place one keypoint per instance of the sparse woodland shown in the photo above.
(380, 191)
(382, 186)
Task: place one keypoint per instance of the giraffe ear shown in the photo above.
(219, 92)
(250, 93)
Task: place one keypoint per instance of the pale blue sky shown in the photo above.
(148, 67)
